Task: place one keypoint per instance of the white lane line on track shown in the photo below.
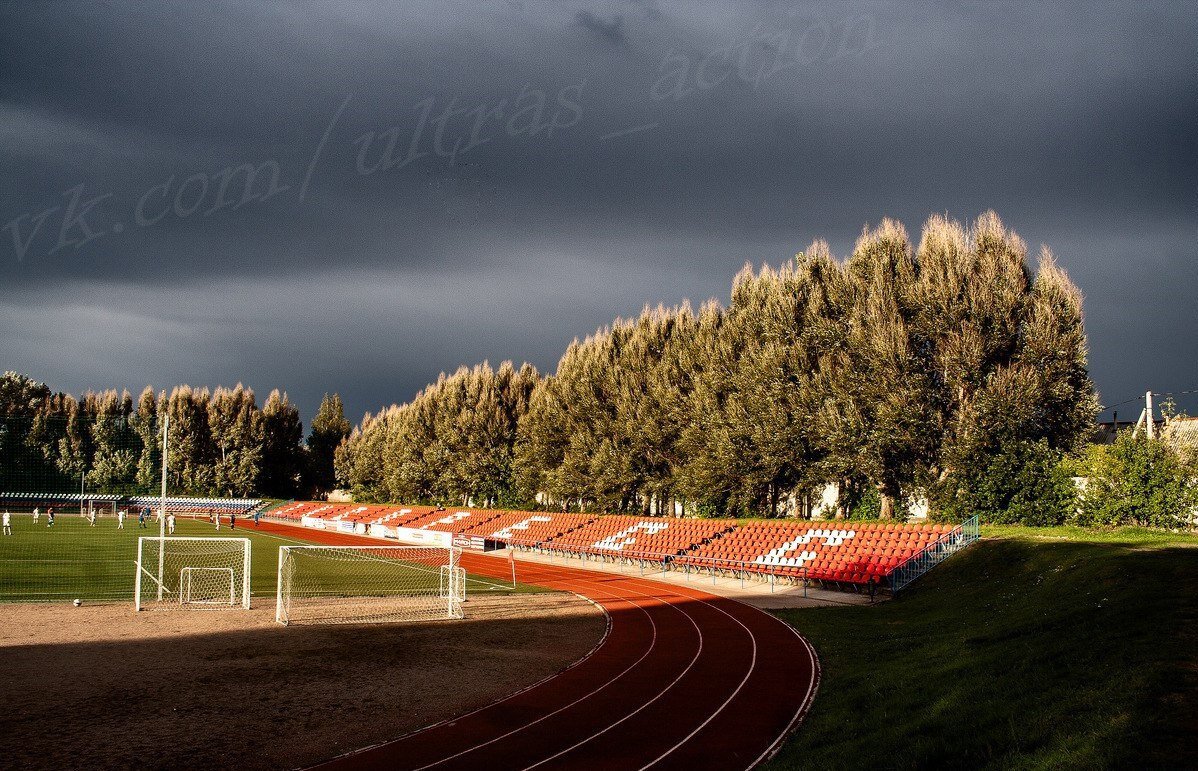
(652, 645)
(656, 586)
(554, 573)
(804, 705)
(741, 685)
(663, 692)
(514, 694)
(745, 679)
(752, 666)
(748, 673)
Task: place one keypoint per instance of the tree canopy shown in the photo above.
(899, 371)
(220, 442)
(888, 374)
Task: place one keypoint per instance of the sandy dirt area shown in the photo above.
(103, 687)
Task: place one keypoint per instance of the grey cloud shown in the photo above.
(713, 134)
(612, 31)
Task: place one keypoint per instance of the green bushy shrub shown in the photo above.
(868, 505)
(1136, 481)
(1022, 482)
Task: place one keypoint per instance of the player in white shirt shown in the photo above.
(120, 520)
(7, 523)
(36, 513)
(170, 523)
(91, 517)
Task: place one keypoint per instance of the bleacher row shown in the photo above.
(208, 506)
(831, 552)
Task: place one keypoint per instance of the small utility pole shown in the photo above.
(1149, 425)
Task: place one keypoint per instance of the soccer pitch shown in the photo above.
(75, 560)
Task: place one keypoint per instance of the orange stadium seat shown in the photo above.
(840, 552)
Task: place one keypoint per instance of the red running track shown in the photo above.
(684, 679)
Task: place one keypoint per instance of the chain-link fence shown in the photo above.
(92, 457)
(77, 491)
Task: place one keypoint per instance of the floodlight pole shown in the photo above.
(166, 423)
(1149, 424)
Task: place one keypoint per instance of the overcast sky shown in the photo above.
(442, 183)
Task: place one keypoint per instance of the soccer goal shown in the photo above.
(368, 584)
(192, 573)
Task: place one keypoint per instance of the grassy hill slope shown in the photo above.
(1036, 648)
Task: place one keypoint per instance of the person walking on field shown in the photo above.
(170, 523)
(50, 517)
(91, 517)
(233, 521)
(36, 513)
(256, 515)
(120, 520)
(7, 523)
(141, 519)
(216, 519)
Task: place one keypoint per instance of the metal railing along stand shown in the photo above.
(949, 544)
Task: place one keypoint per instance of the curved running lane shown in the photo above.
(684, 679)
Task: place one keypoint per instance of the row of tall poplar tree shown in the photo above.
(896, 373)
(221, 443)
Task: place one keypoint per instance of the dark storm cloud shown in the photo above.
(612, 30)
(435, 184)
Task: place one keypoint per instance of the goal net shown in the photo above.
(189, 572)
(368, 584)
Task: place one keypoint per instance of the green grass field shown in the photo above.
(1036, 648)
(73, 560)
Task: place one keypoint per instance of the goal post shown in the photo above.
(207, 586)
(368, 584)
(192, 572)
(452, 582)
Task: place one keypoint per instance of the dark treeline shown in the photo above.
(896, 373)
(221, 443)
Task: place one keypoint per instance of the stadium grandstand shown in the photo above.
(851, 554)
(640, 537)
(835, 554)
(527, 528)
(207, 506)
(453, 521)
(320, 515)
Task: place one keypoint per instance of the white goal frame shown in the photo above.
(453, 582)
(450, 578)
(185, 585)
(156, 574)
